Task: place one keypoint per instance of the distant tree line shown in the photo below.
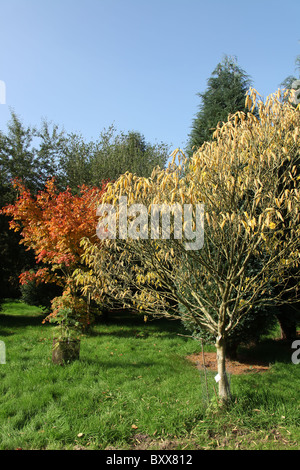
(37, 154)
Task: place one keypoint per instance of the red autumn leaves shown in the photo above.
(52, 224)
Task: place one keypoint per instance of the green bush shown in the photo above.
(39, 294)
(251, 328)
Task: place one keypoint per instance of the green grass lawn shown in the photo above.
(133, 388)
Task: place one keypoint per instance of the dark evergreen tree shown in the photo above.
(19, 159)
(293, 82)
(289, 315)
(225, 94)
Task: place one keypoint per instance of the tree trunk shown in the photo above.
(65, 351)
(287, 322)
(224, 389)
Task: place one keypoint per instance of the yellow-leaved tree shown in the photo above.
(242, 189)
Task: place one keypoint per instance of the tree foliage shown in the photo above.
(247, 177)
(52, 224)
(225, 94)
(109, 157)
(293, 83)
(37, 154)
(16, 159)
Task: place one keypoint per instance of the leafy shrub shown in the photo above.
(71, 311)
(39, 294)
(250, 329)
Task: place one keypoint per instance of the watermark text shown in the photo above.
(2, 92)
(296, 354)
(2, 353)
(165, 221)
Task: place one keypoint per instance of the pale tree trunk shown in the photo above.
(224, 389)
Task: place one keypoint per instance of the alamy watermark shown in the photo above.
(296, 354)
(2, 353)
(2, 92)
(134, 222)
(296, 87)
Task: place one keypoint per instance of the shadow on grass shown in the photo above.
(19, 321)
(135, 324)
(113, 364)
(120, 324)
(119, 332)
(267, 352)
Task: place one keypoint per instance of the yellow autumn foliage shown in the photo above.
(247, 177)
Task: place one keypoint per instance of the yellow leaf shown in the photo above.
(222, 224)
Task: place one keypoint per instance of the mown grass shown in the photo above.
(134, 388)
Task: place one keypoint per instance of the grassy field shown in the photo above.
(133, 388)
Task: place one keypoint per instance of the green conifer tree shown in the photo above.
(225, 94)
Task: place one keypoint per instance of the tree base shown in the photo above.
(65, 351)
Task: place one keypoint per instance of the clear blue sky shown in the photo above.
(85, 64)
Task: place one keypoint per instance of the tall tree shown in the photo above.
(16, 159)
(51, 144)
(75, 162)
(17, 156)
(225, 94)
(110, 156)
(248, 180)
(117, 153)
(29, 153)
(292, 82)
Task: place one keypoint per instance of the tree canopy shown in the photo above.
(35, 155)
(247, 177)
(225, 94)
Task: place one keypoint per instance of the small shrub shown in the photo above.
(39, 294)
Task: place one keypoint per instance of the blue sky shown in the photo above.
(85, 64)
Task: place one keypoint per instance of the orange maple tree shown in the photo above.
(52, 224)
